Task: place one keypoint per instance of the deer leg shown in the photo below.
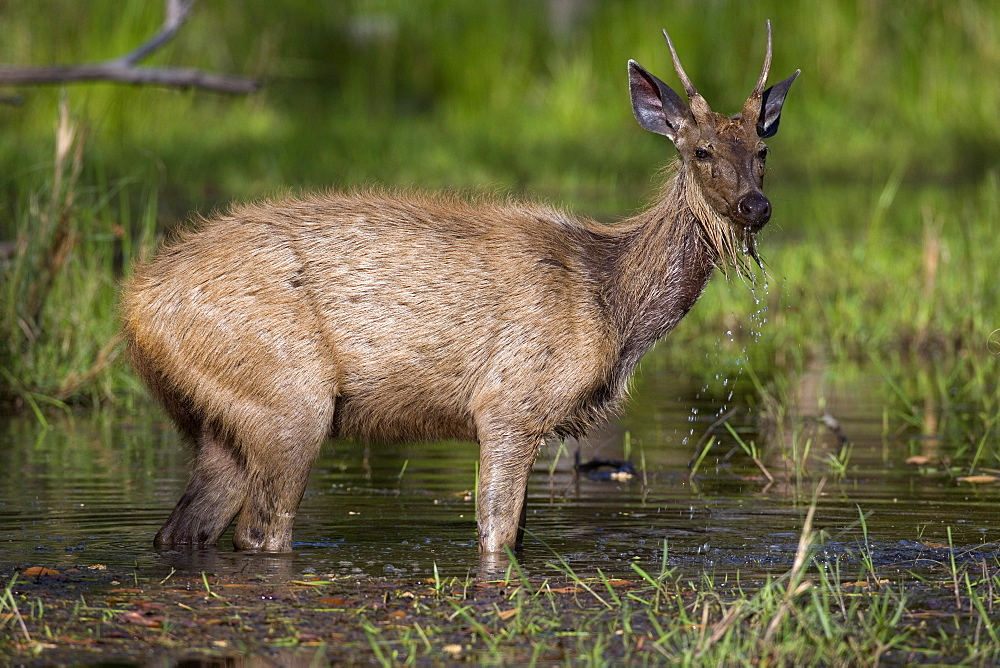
(214, 494)
(519, 540)
(277, 475)
(504, 466)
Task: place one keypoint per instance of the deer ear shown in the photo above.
(770, 107)
(655, 105)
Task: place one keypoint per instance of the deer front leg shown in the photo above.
(505, 462)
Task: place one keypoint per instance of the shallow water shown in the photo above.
(93, 489)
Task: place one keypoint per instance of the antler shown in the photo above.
(751, 108)
(681, 74)
(699, 107)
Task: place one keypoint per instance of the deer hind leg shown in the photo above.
(255, 469)
(277, 473)
(214, 494)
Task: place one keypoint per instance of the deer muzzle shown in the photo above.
(753, 210)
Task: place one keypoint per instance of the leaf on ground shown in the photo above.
(866, 583)
(565, 590)
(507, 614)
(75, 640)
(216, 621)
(929, 614)
(978, 479)
(35, 571)
(146, 606)
(139, 619)
(918, 460)
(928, 543)
(618, 582)
(334, 600)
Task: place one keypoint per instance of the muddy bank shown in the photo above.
(923, 593)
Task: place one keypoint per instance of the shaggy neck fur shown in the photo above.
(663, 261)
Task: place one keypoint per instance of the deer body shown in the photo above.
(402, 315)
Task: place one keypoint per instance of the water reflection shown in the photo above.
(93, 490)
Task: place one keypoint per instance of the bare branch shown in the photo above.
(175, 13)
(111, 71)
(123, 69)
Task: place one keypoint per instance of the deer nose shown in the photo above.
(754, 210)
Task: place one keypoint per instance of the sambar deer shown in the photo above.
(399, 315)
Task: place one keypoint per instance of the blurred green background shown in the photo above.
(884, 176)
(524, 95)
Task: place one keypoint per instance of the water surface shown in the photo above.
(92, 489)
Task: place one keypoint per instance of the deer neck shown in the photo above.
(662, 262)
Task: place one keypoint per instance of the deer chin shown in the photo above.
(732, 239)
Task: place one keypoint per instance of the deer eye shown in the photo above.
(702, 153)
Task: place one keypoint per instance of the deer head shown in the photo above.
(721, 157)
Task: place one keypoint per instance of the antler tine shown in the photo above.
(681, 74)
(759, 89)
(751, 108)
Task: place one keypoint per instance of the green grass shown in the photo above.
(818, 612)
(811, 614)
(73, 241)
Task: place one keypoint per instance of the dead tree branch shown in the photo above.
(111, 71)
(124, 69)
